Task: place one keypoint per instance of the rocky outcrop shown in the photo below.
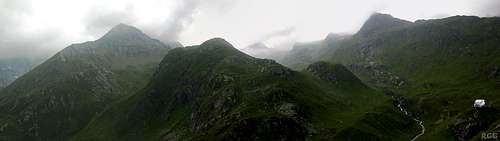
(379, 75)
(472, 123)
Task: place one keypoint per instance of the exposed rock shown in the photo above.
(287, 109)
(380, 75)
(473, 122)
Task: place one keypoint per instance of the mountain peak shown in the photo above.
(123, 32)
(122, 26)
(380, 15)
(378, 21)
(217, 43)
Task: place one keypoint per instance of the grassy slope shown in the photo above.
(60, 96)
(214, 92)
(446, 63)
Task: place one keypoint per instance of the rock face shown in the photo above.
(379, 75)
(61, 95)
(474, 122)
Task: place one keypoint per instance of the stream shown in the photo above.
(404, 108)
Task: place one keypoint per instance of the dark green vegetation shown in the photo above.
(114, 89)
(215, 92)
(60, 96)
(441, 66)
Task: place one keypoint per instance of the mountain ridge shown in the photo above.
(441, 66)
(215, 92)
(61, 95)
(379, 22)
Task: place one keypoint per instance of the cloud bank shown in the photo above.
(30, 28)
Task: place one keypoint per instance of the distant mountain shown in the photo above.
(257, 46)
(13, 68)
(440, 66)
(379, 22)
(304, 54)
(261, 50)
(60, 96)
(215, 92)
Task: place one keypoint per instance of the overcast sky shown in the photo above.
(43, 27)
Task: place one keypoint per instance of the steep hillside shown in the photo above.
(214, 92)
(60, 96)
(440, 65)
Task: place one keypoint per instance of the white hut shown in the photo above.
(479, 103)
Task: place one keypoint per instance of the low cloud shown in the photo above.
(31, 28)
(278, 33)
(179, 20)
(489, 8)
(279, 39)
(99, 19)
(15, 40)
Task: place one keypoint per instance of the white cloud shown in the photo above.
(36, 27)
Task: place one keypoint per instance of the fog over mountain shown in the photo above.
(249, 70)
(41, 28)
